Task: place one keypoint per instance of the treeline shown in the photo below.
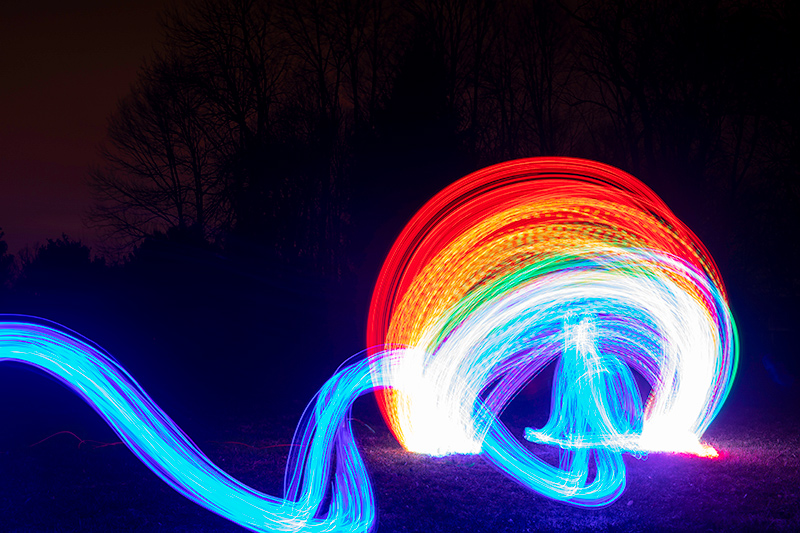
(270, 151)
(288, 128)
(199, 329)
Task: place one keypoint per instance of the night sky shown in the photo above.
(64, 67)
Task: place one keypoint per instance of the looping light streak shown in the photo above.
(480, 286)
(518, 266)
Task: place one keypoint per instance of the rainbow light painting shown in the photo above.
(513, 268)
(529, 261)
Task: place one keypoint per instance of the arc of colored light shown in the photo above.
(524, 222)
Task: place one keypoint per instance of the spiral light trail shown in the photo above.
(515, 267)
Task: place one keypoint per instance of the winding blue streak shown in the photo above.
(596, 412)
(324, 432)
(155, 439)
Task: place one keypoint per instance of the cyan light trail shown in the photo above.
(513, 268)
(155, 439)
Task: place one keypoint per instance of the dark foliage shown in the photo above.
(61, 264)
(6, 264)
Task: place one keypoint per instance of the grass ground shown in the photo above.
(63, 485)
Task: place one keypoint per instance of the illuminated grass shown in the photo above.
(58, 486)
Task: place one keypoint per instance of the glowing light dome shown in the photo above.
(479, 284)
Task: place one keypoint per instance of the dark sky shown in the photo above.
(63, 67)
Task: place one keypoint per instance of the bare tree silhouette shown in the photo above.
(259, 120)
(161, 162)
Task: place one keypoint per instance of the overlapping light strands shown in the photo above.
(503, 273)
(323, 457)
(514, 266)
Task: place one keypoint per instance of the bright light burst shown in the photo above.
(515, 267)
(483, 281)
